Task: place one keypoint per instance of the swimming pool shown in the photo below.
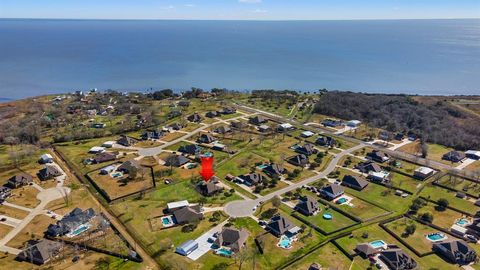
(263, 166)
(79, 230)
(224, 252)
(462, 222)
(341, 200)
(378, 244)
(167, 221)
(117, 174)
(327, 216)
(435, 237)
(285, 242)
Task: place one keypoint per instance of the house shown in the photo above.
(129, 166)
(196, 118)
(18, 180)
(473, 154)
(385, 135)
(222, 130)
(183, 103)
(71, 222)
(107, 170)
(353, 123)
(175, 126)
(332, 123)
(365, 250)
(298, 160)
(221, 147)
(40, 252)
(49, 172)
(326, 141)
(397, 259)
(264, 128)
(307, 149)
(209, 188)
(186, 248)
(423, 173)
(229, 110)
(251, 179)
(355, 182)
(332, 191)
(232, 238)
(455, 251)
(307, 134)
(274, 170)
(454, 156)
(176, 160)
(127, 141)
(314, 266)
(379, 176)
(399, 136)
(237, 124)
(46, 158)
(152, 135)
(108, 144)
(5, 192)
(206, 138)
(285, 127)
(191, 149)
(280, 225)
(308, 206)
(257, 120)
(96, 150)
(174, 113)
(366, 167)
(212, 114)
(458, 230)
(378, 156)
(104, 157)
(187, 214)
(172, 206)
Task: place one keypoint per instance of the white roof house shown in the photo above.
(108, 144)
(353, 123)
(424, 170)
(286, 126)
(178, 204)
(307, 134)
(473, 154)
(96, 149)
(378, 175)
(107, 170)
(458, 229)
(46, 158)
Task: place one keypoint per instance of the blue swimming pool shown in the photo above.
(117, 174)
(285, 242)
(462, 222)
(166, 221)
(263, 166)
(378, 244)
(341, 200)
(434, 237)
(79, 230)
(224, 252)
(327, 216)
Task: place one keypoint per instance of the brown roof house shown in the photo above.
(40, 252)
(209, 188)
(206, 138)
(454, 156)
(104, 157)
(366, 167)
(196, 118)
(21, 179)
(332, 191)
(232, 238)
(365, 250)
(455, 251)
(307, 149)
(300, 160)
(127, 141)
(274, 170)
(355, 182)
(257, 120)
(49, 172)
(378, 156)
(280, 225)
(397, 259)
(188, 214)
(308, 206)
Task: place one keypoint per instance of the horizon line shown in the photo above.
(265, 20)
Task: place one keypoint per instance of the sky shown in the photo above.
(241, 9)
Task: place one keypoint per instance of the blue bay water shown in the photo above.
(409, 56)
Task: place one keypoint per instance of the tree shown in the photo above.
(410, 229)
(442, 204)
(427, 217)
(220, 266)
(276, 202)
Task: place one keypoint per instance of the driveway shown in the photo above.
(203, 245)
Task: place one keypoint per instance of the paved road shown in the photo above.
(245, 208)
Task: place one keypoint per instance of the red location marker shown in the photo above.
(207, 168)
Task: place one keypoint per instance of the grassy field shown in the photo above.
(444, 219)
(328, 256)
(435, 193)
(418, 239)
(362, 209)
(404, 182)
(374, 232)
(339, 220)
(460, 184)
(12, 212)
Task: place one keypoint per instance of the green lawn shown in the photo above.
(328, 256)
(444, 219)
(362, 209)
(435, 193)
(339, 220)
(407, 183)
(460, 184)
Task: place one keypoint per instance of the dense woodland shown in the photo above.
(439, 122)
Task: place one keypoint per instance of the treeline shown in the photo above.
(439, 122)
